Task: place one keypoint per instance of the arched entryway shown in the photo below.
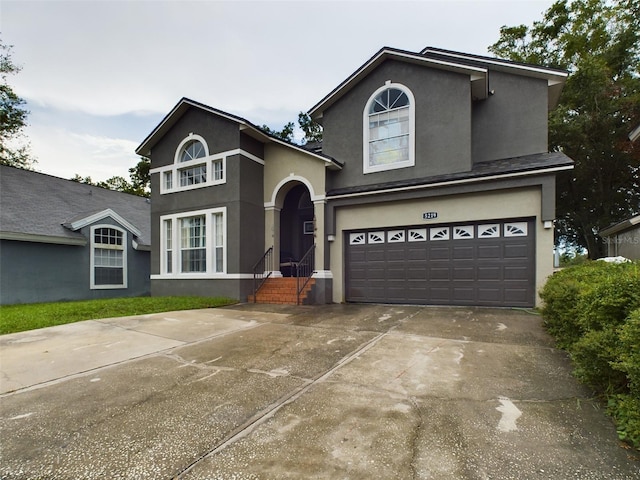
(297, 227)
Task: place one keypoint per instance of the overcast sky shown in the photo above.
(98, 76)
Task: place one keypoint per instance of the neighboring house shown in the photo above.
(433, 185)
(63, 240)
(623, 239)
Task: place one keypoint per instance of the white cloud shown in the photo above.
(262, 60)
(65, 154)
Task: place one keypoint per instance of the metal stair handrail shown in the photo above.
(305, 270)
(261, 271)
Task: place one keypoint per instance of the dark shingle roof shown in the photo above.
(536, 163)
(39, 205)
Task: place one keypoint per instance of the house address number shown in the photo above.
(429, 215)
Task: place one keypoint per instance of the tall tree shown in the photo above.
(285, 134)
(312, 129)
(140, 177)
(598, 42)
(13, 116)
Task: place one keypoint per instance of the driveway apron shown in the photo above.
(322, 392)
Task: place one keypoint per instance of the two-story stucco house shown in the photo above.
(433, 185)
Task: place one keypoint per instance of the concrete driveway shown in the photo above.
(326, 392)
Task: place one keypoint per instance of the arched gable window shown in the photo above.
(388, 128)
(192, 150)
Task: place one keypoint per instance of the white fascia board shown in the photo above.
(452, 183)
(140, 246)
(78, 224)
(29, 237)
(553, 76)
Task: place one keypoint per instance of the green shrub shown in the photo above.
(593, 311)
(629, 358)
(561, 295)
(614, 294)
(593, 356)
(625, 409)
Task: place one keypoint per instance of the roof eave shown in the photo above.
(478, 76)
(555, 77)
(620, 227)
(36, 238)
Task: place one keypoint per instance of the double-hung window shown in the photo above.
(193, 246)
(108, 257)
(194, 243)
(388, 128)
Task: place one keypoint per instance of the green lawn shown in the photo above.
(18, 318)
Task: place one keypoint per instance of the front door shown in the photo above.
(296, 228)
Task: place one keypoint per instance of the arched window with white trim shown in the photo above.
(108, 257)
(193, 167)
(388, 129)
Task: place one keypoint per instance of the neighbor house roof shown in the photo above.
(635, 134)
(244, 125)
(536, 164)
(475, 66)
(41, 208)
(620, 227)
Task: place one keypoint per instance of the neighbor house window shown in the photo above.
(198, 240)
(108, 257)
(388, 128)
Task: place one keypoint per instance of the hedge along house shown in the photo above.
(433, 185)
(63, 240)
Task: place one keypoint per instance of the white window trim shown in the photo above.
(191, 137)
(209, 239)
(208, 161)
(92, 262)
(366, 168)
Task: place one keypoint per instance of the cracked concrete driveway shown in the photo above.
(326, 392)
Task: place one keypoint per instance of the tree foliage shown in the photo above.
(13, 116)
(312, 130)
(139, 183)
(598, 43)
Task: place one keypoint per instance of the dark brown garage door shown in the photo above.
(490, 263)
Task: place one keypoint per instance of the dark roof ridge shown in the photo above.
(473, 58)
(143, 147)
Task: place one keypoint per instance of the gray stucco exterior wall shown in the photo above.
(41, 272)
(511, 122)
(442, 119)
(241, 194)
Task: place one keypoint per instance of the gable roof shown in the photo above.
(475, 66)
(42, 208)
(244, 125)
(620, 227)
